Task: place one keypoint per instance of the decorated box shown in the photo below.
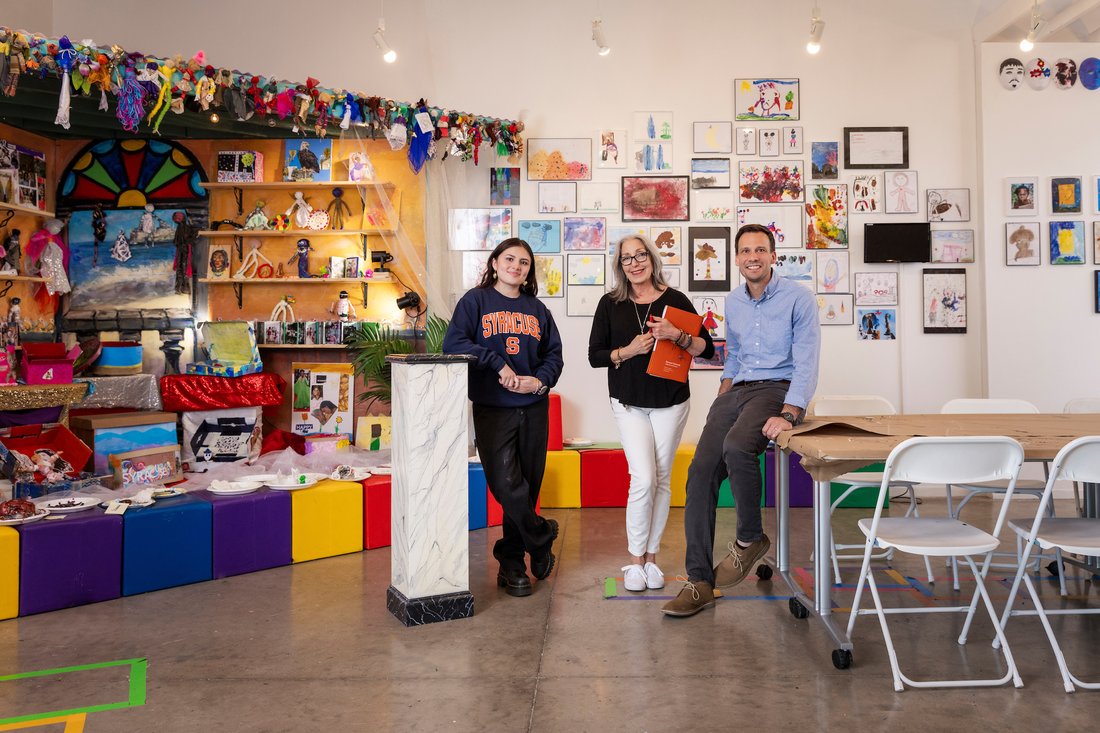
(240, 166)
(124, 432)
(48, 363)
(146, 467)
(25, 448)
(119, 357)
(231, 350)
(221, 436)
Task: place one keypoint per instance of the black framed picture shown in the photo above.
(876, 147)
(945, 300)
(1096, 290)
(709, 249)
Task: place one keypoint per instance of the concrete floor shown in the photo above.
(311, 647)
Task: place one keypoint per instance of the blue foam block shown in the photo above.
(167, 544)
(479, 509)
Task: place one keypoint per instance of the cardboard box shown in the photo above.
(123, 432)
(146, 467)
(26, 439)
(240, 166)
(48, 363)
(231, 346)
(119, 357)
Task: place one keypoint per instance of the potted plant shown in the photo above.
(370, 344)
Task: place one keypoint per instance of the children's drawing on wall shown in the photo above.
(944, 301)
(504, 186)
(867, 194)
(766, 99)
(709, 259)
(823, 160)
(769, 143)
(479, 228)
(877, 325)
(901, 192)
(652, 126)
(712, 137)
(1065, 195)
(770, 183)
(794, 266)
(713, 206)
(948, 204)
(557, 197)
(1011, 73)
(792, 141)
(953, 245)
(542, 235)
(832, 271)
(667, 242)
(581, 232)
(712, 309)
(586, 269)
(473, 269)
(784, 222)
(1022, 243)
(876, 288)
(1038, 74)
(652, 157)
(548, 270)
(1067, 242)
(1021, 196)
(834, 310)
(827, 217)
(612, 149)
(746, 141)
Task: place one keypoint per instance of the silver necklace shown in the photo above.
(641, 321)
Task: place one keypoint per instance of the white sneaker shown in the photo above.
(634, 577)
(654, 578)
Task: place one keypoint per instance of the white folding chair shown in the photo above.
(1080, 406)
(1077, 461)
(847, 406)
(940, 460)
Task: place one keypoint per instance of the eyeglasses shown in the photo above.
(640, 258)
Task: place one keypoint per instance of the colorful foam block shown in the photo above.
(479, 497)
(554, 436)
(605, 480)
(377, 500)
(494, 512)
(327, 520)
(250, 532)
(167, 544)
(801, 485)
(561, 484)
(69, 562)
(9, 572)
(680, 465)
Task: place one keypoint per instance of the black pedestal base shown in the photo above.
(429, 609)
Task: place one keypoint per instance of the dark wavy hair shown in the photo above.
(530, 286)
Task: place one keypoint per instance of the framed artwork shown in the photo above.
(713, 206)
(718, 361)
(559, 159)
(876, 147)
(1096, 194)
(544, 235)
(835, 310)
(792, 141)
(217, 264)
(586, 269)
(597, 198)
(557, 197)
(550, 275)
(351, 268)
(953, 245)
(746, 140)
(672, 276)
(667, 242)
(612, 149)
(710, 172)
(709, 249)
(9, 186)
(584, 233)
(832, 271)
(712, 137)
(479, 228)
(867, 194)
(784, 222)
(877, 325)
(473, 268)
(823, 161)
(1095, 242)
(765, 99)
(307, 159)
(901, 192)
(797, 266)
(655, 198)
(1065, 195)
(827, 217)
(770, 183)
(944, 301)
(1022, 243)
(504, 186)
(1096, 290)
(713, 310)
(876, 288)
(618, 234)
(1021, 196)
(1067, 242)
(581, 300)
(769, 142)
(652, 156)
(948, 204)
(652, 126)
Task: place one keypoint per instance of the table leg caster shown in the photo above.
(842, 658)
(764, 572)
(797, 609)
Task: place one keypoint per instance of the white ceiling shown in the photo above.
(1063, 20)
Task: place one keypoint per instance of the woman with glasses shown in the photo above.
(650, 412)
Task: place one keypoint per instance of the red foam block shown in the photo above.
(605, 479)
(376, 512)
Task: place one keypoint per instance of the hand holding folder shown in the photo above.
(669, 361)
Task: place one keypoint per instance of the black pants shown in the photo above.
(730, 445)
(512, 444)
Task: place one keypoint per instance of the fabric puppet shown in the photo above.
(185, 242)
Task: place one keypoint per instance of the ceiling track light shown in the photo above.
(1028, 41)
(599, 38)
(388, 54)
(817, 28)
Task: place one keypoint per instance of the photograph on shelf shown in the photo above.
(710, 173)
(712, 137)
(953, 245)
(827, 217)
(655, 198)
(716, 362)
(769, 142)
(334, 332)
(867, 194)
(323, 396)
(273, 332)
(948, 204)
(612, 149)
(713, 310)
(504, 186)
(792, 141)
(557, 197)
(549, 271)
(667, 242)
(1021, 196)
(713, 206)
(352, 271)
(784, 222)
(585, 269)
(335, 266)
(652, 156)
(901, 192)
(473, 269)
(583, 233)
(479, 228)
(944, 301)
(797, 266)
(544, 235)
(773, 182)
(746, 141)
(9, 186)
(832, 271)
(877, 325)
(1067, 242)
(652, 126)
(709, 249)
(559, 159)
(876, 147)
(359, 168)
(876, 288)
(765, 99)
(217, 262)
(835, 310)
(1065, 195)
(293, 333)
(31, 167)
(307, 159)
(597, 198)
(581, 300)
(823, 161)
(1023, 244)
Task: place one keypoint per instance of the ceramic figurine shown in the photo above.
(302, 256)
(343, 308)
(254, 263)
(257, 220)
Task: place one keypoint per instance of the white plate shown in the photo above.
(235, 488)
(69, 505)
(383, 470)
(578, 442)
(355, 474)
(311, 480)
(41, 513)
(166, 493)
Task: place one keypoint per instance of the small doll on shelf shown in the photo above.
(257, 220)
(338, 209)
(255, 264)
(12, 252)
(343, 308)
(50, 256)
(301, 255)
(284, 310)
(300, 211)
(15, 311)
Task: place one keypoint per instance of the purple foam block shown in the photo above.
(70, 561)
(800, 482)
(251, 532)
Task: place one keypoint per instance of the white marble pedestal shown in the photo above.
(430, 563)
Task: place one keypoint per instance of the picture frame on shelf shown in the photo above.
(219, 261)
(9, 186)
(557, 197)
(944, 300)
(886, 148)
(307, 159)
(655, 198)
(559, 159)
(1021, 196)
(1023, 243)
(712, 137)
(948, 204)
(709, 251)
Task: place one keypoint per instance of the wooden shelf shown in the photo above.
(20, 209)
(22, 279)
(282, 280)
(300, 184)
(298, 233)
(301, 346)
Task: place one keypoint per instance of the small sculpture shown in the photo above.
(50, 465)
(12, 252)
(300, 211)
(255, 264)
(258, 220)
(48, 253)
(302, 256)
(283, 310)
(14, 311)
(338, 208)
(343, 308)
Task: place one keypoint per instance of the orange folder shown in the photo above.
(669, 361)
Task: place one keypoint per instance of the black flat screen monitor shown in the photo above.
(902, 242)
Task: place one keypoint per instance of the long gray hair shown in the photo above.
(621, 291)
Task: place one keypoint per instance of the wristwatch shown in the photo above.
(789, 417)
(543, 389)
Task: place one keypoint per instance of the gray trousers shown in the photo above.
(730, 445)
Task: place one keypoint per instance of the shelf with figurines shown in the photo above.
(283, 330)
(23, 209)
(297, 184)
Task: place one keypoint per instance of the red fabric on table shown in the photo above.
(191, 392)
(554, 437)
(281, 440)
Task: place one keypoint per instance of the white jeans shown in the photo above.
(650, 436)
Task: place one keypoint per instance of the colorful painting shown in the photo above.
(823, 161)
(785, 222)
(124, 439)
(325, 406)
(953, 245)
(581, 300)
(713, 206)
(901, 192)
(945, 301)
(827, 217)
(655, 198)
(712, 137)
(618, 234)
(584, 232)
(549, 272)
(559, 159)
(1022, 243)
(1021, 196)
(877, 325)
(652, 126)
(792, 141)
(832, 271)
(709, 248)
(504, 186)
(876, 288)
(835, 310)
(667, 242)
(1065, 195)
(1067, 242)
(867, 194)
(307, 159)
(718, 361)
(948, 204)
(479, 228)
(713, 310)
(770, 183)
(544, 235)
(797, 266)
(710, 172)
(769, 142)
(597, 198)
(586, 269)
(557, 197)
(765, 99)
(473, 268)
(746, 141)
(612, 149)
(652, 156)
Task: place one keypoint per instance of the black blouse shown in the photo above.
(614, 326)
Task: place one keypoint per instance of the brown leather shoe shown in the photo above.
(739, 562)
(693, 598)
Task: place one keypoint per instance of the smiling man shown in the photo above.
(773, 341)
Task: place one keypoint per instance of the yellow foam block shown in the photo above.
(9, 572)
(326, 520)
(561, 484)
(680, 464)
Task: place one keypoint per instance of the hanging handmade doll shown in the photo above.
(120, 251)
(204, 91)
(99, 232)
(343, 308)
(283, 310)
(49, 254)
(131, 98)
(185, 243)
(13, 253)
(301, 255)
(257, 220)
(66, 54)
(300, 210)
(18, 51)
(255, 264)
(15, 311)
(338, 209)
(324, 101)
